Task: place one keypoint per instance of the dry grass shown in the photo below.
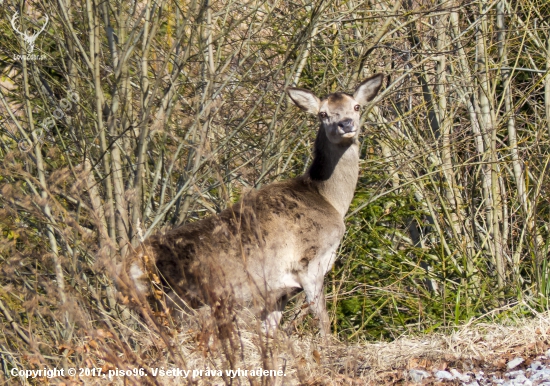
(306, 359)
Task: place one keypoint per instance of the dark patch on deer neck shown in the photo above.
(335, 170)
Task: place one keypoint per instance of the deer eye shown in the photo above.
(322, 114)
(357, 107)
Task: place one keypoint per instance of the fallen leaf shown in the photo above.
(317, 356)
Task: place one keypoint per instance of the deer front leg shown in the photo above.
(317, 306)
(274, 313)
(312, 283)
(271, 323)
(313, 287)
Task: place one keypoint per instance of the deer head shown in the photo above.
(339, 113)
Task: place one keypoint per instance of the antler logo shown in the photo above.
(27, 37)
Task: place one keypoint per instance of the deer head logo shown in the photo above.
(27, 37)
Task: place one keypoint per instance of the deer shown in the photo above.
(276, 241)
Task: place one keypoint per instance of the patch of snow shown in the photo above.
(515, 363)
(497, 381)
(541, 375)
(418, 375)
(515, 374)
(461, 377)
(444, 375)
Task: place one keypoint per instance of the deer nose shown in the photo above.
(346, 125)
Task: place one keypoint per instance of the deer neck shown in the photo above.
(335, 170)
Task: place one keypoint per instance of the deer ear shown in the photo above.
(367, 89)
(304, 99)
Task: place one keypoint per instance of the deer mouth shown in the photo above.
(347, 132)
(346, 128)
